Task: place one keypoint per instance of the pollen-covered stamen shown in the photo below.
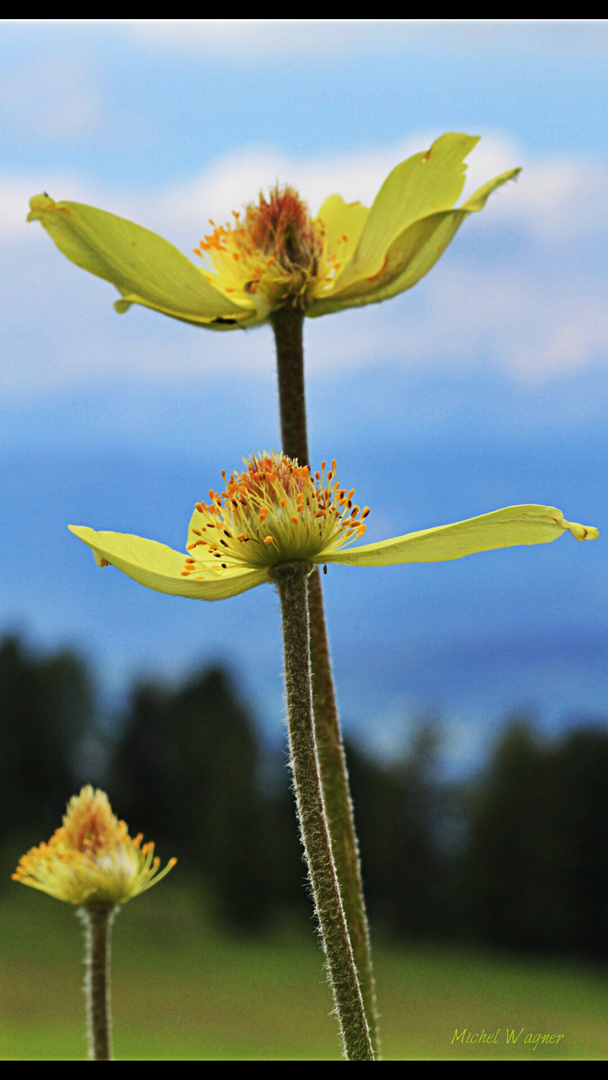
(273, 251)
(281, 228)
(275, 511)
(91, 858)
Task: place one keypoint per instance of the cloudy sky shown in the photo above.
(483, 386)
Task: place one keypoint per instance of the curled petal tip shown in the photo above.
(38, 204)
(41, 202)
(84, 533)
(582, 532)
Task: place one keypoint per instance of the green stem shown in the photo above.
(338, 802)
(288, 326)
(290, 579)
(98, 923)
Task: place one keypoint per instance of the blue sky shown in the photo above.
(483, 386)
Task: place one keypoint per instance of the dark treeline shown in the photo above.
(516, 858)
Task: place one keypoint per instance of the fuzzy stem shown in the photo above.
(338, 802)
(97, 924)
(290, 579)
(288, 326)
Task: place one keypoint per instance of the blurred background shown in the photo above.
(472, 692)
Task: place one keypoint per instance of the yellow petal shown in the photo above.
(410, 256)
(145, 268)
(342, 224)
(423, 184)
(159, 567)
(500, 529)
(479, 199)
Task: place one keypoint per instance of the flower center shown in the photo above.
(91, 858)
(276, 511)
(275, 255)
(89, 826)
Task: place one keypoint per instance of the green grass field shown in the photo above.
(181, 991)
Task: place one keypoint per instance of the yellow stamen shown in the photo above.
(275, 250)
(91, 859)
(274, 511)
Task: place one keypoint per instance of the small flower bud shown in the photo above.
(91, 859)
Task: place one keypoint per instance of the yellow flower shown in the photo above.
(91, 859)
(275, 512)
(275, 254)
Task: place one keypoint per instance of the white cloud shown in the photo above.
(536, 329)
(270, 39)
(14, 195)
(16, 192)
(532, 329)
(553, 199)
(538, 319)
(234, 181)
(49, 99)
(556, 199)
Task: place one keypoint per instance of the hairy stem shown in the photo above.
(98, 923)
(288, 326)
(338, 802)
(290, 579)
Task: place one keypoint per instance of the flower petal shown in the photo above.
(500, 529)
(145, 268)
(478, 200)
(159, 567)
(423, 184)
(343, 224)
(410, 256)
